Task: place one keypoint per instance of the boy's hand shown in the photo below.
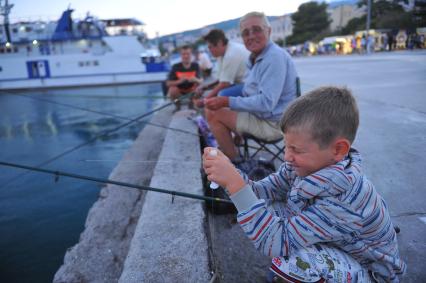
(220, 170)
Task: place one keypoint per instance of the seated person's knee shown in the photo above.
(173, 93)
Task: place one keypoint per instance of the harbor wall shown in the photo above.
(136, 236)
(103, 245)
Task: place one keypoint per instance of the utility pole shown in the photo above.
(4, 11)
(367, 36)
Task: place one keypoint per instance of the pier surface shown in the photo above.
(389, 88)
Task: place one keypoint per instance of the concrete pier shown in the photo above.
(172, 242)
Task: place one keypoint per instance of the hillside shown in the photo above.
(197, 33)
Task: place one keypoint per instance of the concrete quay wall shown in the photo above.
(135, 236)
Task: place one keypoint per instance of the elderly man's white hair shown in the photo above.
(259, 15)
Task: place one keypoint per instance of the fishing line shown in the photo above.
(137, 161)
(119, 96)
(45, 91)
(103, 134)
(99, 112)
(212, 229)
(112, 182)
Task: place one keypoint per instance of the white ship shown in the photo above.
(72, 53)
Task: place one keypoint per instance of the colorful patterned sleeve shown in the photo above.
(274, 235)
(313, 214)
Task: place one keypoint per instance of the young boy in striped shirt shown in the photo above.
(318, 216)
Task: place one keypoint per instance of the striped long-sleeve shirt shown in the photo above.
(337, 205)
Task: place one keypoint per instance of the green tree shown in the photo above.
(419, 13)
(385, 14)
(380, 8)
(354, 25)
(280, 42)
(310, 22)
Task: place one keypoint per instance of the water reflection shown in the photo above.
(51, 124)
(28, 129)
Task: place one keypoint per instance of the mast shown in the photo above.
(5, 11)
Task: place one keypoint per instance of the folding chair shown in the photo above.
(277, 150)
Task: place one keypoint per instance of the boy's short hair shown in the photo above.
(216, 35)
(326, 112)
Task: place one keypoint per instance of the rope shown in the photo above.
(57, 173)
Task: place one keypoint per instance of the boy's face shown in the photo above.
(304, 154)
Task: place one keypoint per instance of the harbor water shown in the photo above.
(40, 218)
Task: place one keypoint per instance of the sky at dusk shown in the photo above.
(160, 16)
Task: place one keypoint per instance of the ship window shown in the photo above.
(1, 50)
(8, 50)
(1, 69)
(80, 64)
(28, 29)
(96, 63)
(15, 49)
(14, 30)
(87, 63)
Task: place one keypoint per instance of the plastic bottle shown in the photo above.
(213, 185)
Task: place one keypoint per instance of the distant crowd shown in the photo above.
(361, 43)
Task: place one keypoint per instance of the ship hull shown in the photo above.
(112, 60)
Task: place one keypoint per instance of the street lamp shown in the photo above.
(368, 26)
